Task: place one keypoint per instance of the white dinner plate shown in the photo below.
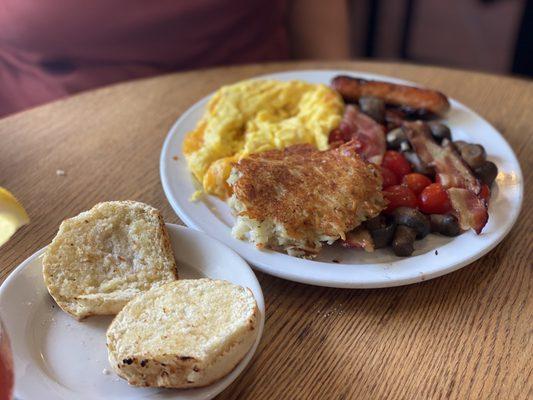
(339, 267)
(59, 358)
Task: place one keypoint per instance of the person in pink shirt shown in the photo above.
(53, 48)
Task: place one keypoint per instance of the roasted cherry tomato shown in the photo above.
(416, 182)
(485, 193)
(397, 163)
(389, 177)
(434, 200)
(399, 196)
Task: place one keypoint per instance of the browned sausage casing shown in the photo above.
(352, 89)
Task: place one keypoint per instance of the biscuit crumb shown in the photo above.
(175, 158)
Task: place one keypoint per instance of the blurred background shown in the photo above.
(487, 35)
(50, 49)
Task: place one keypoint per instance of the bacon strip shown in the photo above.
(351, 89)
(369, 135)
(451, 169)
(359, 238)
(462, 186)
(470, 209)
(421, 140)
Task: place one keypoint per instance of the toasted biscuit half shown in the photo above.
(102, 258)
(184, 334)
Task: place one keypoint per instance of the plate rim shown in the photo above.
(368, 284)
(226, 380)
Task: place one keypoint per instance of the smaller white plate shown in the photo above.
(57, 357)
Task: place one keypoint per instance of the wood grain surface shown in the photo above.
(467, 335)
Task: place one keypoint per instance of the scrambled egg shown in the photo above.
(257, 115)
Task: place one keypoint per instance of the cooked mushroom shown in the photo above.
(375, 223)
(487, 172)
(403, 242)
(381, 229)
(395, 138)
(473, 154)
(373, 107)
(405, 146)
(439, 131)
(414, 219)
(459, 144)
(445, 224)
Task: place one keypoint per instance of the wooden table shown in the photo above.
(467, 335)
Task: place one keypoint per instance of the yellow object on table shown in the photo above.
(12, 215)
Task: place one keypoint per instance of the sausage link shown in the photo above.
(351, 89)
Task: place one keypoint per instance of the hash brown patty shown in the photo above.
(295, 199)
